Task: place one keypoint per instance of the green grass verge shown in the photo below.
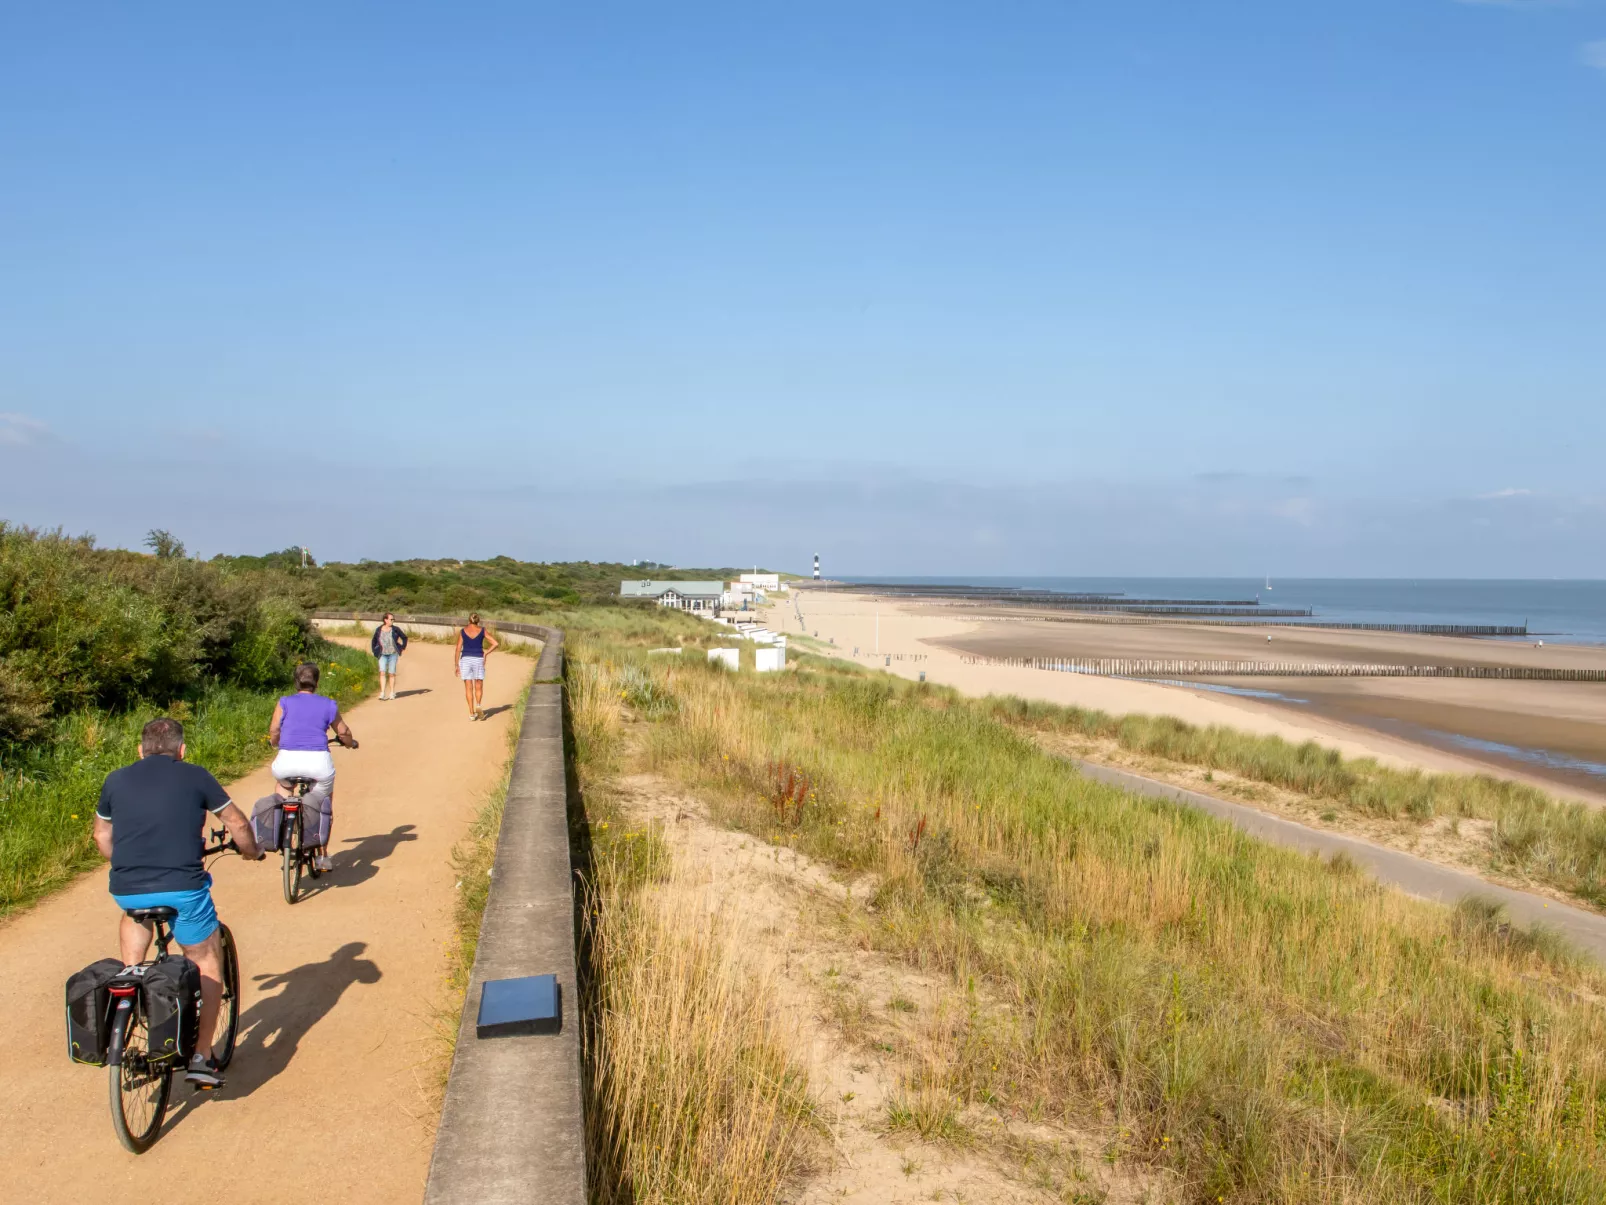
(1536, 836)
(49, 788)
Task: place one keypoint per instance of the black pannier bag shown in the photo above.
(173, 1006)
(267, 822)
(89, 1011)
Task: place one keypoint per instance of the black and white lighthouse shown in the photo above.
(816, 566)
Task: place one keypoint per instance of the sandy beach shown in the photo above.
(1546, 733)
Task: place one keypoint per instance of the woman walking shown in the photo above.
(300, 731)
(474, 645)
(388, 644)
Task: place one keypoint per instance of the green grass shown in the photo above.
(1537, 836)
(1270, 1027)
(48, 789)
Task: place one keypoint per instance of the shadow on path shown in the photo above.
(361, 862)
(490, 711)
(403, 694)
(272, 1028)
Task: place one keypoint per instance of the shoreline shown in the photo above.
(1436, 725)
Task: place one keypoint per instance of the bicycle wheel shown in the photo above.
(228, 1017)
(139, 1089)
(292, 859)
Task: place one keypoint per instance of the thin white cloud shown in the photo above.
(1594, 54)
(1509, 492)
(19, 430)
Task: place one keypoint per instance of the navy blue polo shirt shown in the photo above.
(157, 808)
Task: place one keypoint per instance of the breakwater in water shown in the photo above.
(1147, 667)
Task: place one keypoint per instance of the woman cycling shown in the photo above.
(474, 645)
(300, 731)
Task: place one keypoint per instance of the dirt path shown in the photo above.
(332, 1094)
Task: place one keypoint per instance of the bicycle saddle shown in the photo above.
(165, 915)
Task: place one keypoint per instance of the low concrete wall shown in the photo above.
(512, 1128)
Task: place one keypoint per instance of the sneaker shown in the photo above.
(203, 1074)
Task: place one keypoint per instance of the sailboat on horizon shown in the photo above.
(1268, 581)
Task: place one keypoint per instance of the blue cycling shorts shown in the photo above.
(197, 918)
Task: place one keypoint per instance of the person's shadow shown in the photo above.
(272, 1028)
(403, 694)
(361, 862)
(490, 711)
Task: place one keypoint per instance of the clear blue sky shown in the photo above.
(1318, 288)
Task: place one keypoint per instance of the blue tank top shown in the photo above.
(473, 646)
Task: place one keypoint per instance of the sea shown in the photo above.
(1568, 612)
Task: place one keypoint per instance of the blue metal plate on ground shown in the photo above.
(533, 1004)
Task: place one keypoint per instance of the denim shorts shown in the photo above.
(197, 918)
(387, 662)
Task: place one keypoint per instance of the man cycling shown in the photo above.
(149, 823)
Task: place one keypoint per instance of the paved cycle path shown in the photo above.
(1411, 874)
(333, 1093)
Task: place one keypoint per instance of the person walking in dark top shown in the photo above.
(149, 823)
(474, 645)
(389, 643)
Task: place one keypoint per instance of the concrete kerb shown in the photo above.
(512, 1128)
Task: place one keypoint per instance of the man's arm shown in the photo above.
(240, 829)
(275, 723)
(103, 837)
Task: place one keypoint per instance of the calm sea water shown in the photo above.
(1567, 611)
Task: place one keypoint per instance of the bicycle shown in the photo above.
(140, 1081)
(296, 856)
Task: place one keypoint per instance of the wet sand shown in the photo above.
(1552, 732)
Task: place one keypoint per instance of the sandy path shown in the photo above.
(330, 1096)
(907, 629)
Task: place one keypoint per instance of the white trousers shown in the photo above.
(307, 763)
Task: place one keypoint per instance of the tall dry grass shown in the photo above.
(1271, 1027)
(692, 1096)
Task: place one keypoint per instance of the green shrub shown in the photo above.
(87, 627)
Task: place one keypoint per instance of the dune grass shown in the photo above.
(1537, 836)
(1268, 1026)
(49, 788)
(691, 1093)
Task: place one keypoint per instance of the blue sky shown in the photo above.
(1041, 287)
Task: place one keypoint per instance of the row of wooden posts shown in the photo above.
(1135, 667)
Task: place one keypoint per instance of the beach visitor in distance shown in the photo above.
(300, 732)
(148, 825)
(474, 645)
(388, 644)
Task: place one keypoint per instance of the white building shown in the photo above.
(685, 596)
(769, 583)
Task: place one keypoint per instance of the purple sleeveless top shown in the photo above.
(306, 722)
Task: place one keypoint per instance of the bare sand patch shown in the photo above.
(871, 1031)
